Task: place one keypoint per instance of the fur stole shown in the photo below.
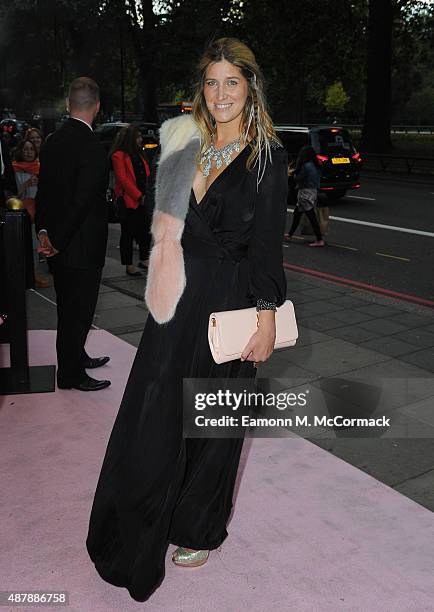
(180, 144)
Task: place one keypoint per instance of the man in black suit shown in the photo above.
(72, 226)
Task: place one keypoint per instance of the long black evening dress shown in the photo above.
(156, 487)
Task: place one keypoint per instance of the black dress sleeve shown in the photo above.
(267, 277)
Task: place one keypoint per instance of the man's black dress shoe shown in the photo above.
(95, 362)
(86, 384)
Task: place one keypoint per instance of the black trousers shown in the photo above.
(136, 226)
(77, 294)
(312, 218)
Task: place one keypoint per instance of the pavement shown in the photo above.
(344, 334)
(308, 531)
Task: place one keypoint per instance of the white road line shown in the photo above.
(393, 256)
(362, 198)
(343, 246)
(44, 297)
(395, 228)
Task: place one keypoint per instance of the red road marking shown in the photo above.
(339, 280)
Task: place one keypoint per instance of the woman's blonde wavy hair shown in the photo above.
(256, 125)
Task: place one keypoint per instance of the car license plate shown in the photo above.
(340, 160)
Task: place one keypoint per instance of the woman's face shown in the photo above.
(225, 90)
(36, 139)
(28, 152)
(139, 141)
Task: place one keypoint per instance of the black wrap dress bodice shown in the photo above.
(237, 220)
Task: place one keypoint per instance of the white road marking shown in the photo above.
(361, 198)
(395, 228)
(393, 256)
(44, 297)
(343, 246)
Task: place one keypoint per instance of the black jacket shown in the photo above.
(7, 179)
(70, 202)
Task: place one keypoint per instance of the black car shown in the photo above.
(106, 132)
(338, 158)
(16, 128)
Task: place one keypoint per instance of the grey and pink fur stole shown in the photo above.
(180, 145)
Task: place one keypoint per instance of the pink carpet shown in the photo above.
(309, 532)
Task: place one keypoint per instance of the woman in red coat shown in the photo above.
(132, 173)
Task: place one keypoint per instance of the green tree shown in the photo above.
(420, 107)
(413, 63)
(142, 26)
(184, 31)
(47, 44)
(389, 22)
(309, 44)
(336, 99)
(146, 51)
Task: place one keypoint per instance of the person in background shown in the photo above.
(307, 179)
(72, 226)
(8, 185)
(26, 168)
(132, 174)
(10, 136)
(35, 136)
(8, 141)
(292, 191)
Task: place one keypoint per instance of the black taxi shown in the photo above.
(338, 158)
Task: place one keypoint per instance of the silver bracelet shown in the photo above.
(264, 305)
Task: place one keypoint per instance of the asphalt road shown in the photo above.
(397, 254)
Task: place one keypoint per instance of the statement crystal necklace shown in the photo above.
(215, 156)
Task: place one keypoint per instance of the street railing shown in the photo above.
(398, 163)
(411, 129)
(395, 129)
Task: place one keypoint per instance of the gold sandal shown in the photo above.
(189, 558)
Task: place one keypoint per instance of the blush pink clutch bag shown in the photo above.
(229, 331)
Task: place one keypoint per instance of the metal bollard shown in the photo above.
(17, 275)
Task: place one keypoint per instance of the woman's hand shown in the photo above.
(45, 247)
(261, 344)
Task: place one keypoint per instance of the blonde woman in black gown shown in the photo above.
(218, 226)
